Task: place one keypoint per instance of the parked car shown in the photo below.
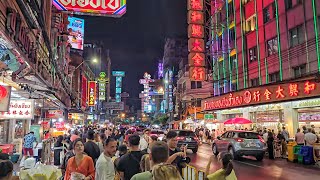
(187, 137)
(158, 133)
(240, 143)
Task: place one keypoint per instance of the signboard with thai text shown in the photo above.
(91, 93)
(19, 109)
(196, 45)
(115, 106)
(54, 114)
(263, 95)
(113, 8)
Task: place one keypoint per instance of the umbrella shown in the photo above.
(238, 120)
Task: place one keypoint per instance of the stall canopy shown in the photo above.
(238, 120)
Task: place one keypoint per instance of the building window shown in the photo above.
(233, 63)
(290, 3)
(220, 42)
(230, 9)
(274, 77)
(196, 84)
(245, 1)
(221, 89)
(253, 54)
(254, 82)
(233, 87)
(251, 24)
(272, 46)
(268, 11)
(296, 36)
(232, 35)
(299, 71)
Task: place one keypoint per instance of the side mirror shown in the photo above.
(219, 137)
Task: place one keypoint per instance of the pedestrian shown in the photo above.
(285, 134)
(213, 134)
(80, 166)
(310, 138)
(129, 164)
(90, 147)
(69, 154)
(270, 141)
(299, 137)
(160, 170)
(145, 160)
(226, 172)
(28, 141)
(99, 142)
(265, 135)
(6, 172)
(58, 151)
(304, 130)
(177, 157)
(144, 140)
(75, 135)
(282, 141)
(105, 168)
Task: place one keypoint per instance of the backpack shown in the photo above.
(136, 159)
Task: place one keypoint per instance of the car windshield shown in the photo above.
(186, 133)
(248, 135)
(157, 132)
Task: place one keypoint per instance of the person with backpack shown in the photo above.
(129, 164)
(90, 147)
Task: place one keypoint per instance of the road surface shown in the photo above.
(249, 168)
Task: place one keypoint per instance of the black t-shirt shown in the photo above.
(129, 164)
(177, 162)
(92, 149)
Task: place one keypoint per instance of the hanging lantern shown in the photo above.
(3, 92)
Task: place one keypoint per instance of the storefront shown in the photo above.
(292, 105)
(15, 123)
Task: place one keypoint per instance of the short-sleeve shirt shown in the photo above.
(219, 175)
(129, 164)
(142, 176)
(29, 139)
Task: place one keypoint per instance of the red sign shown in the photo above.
(92, 92)
(60, 126)
(263, 95)
(195, 17)
(84, 94)
(98, 7)
(196, 59)
(197, 73)
(195, 31)
(195, 5)
(196, 45)
(54, 114)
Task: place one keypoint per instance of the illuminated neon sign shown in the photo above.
(262, 95)
(114, 8)
(92, 93)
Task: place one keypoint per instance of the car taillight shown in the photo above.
(180, 138)
(261, 139)
(239, 140)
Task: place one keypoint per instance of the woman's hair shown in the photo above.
(76, 141)
(6, 167)
(227, 163)
(165, 171)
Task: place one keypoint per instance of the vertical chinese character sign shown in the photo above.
(196, 46)
(103, 80)
(92, 93)
(119, 75)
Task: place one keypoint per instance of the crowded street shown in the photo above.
(249, 168)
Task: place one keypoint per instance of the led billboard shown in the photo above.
(113, 8)
(76, 32)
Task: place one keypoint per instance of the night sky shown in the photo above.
(136, 40)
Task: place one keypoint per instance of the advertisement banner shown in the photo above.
(54, 114)
(92, 93)
(84, 94)
(36, 130)
(113, 8)
(76, 32)
(118, 73)
(5, 92)
(19, 109)
(115, 106)
(103, 80)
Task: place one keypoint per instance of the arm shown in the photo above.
(121, 175)
(67, 173)
(91, 170)
(174, 156)
(103, 171)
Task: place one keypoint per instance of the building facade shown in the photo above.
(265, 53)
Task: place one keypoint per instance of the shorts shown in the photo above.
(26, 150)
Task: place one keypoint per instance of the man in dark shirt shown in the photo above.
(90, 147)
(175, 152)
(129, 164)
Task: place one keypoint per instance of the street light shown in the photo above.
(93, 60)
(123, 115)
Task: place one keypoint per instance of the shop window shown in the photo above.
(296, 36)
(253, 54)
(274, 77)
(251, 23)
(196, 84)
(272, 46)
(299, 71)
(254, 82)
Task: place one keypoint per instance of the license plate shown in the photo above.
(188, 139)
(252, 144)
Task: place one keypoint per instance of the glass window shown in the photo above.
(248, 135)
(266, 15)
(224, 135)
(251, 24)
(232, 35)
(255, 82)
(272, 46)
(230, 135)
(253, 54)
(274, 77)
(288, 4)
(186, 133)
(196, 84)
(299, 71)
(296, 36)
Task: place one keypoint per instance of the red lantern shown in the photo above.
(3, 92)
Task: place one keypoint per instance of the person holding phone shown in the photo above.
(176, 156)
